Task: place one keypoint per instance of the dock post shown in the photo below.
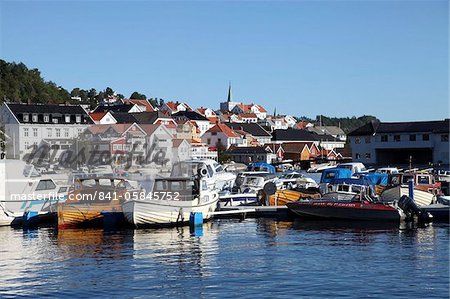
(411, 189)
(196, 223)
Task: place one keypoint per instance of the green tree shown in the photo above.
(138, 96)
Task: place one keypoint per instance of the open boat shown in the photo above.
(426, 189)
(95, 201)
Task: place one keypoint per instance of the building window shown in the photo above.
(384, 138)
(78, 118)
(58, 132)
(412, 137)
(35, 132)
(26, 118)
(55, 120)
(26, 144)
(25, 132)
(67, 118)
(34, 118)
(208, 141)
(368, 156)
(357, 141)
(444, 138)
(357, 156)
(426, 137)
(49, 132)
(66, 133)
(46, 118)
(396, 138)
(367, 139)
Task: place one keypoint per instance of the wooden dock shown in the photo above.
(254, 211)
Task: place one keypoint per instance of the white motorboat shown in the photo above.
(425, 189)
(212, 172)
(248, 192)
(293, 180)
(24, 189)
(171, 201)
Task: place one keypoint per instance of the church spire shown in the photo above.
(230, 96)
(275, 112)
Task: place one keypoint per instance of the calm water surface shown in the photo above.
(252, 258)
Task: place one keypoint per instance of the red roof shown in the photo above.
(97, 116)
(223, 129)
(145, 103)
(247, 115)
(261, 108)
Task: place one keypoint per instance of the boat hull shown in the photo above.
(234, 200)
(72, 215)
(163, 212)
(282, 197)
(421, 198)
(345, 210)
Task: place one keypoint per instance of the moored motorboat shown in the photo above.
(425, 190)
(95, 201)
(282, 197)
(351, 202)
(171, 202)
(24, 190)
(345, 209)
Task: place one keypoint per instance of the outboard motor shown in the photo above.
(410, 208)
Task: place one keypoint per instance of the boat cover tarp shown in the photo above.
(375, 177)
(331, 174)
(261, 166)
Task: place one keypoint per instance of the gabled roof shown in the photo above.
(123, 117)
(148, 107)
(149, 129)
(223, 129)
(251, 128)
(247, 115)
(149, 117)
(327, 130)
(296, 147)
(439, 126)
(261, 108)
(53, 111)
(192, 115)
(114, 108)
(293, 135)
(178, 142)
(202, 110)
(98, 129)
(97, 116)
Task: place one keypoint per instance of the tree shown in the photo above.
(20, 84)
(138, 96)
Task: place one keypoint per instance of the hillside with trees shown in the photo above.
(347, 124)
(20, 84)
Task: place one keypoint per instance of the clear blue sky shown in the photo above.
(337, 58)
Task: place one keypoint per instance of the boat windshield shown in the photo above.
(252, 181)
(30, 171)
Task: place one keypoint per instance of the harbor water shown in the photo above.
(253, 258)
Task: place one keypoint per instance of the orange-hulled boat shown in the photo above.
(95, 202)
(281, 197)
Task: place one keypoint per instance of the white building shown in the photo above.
(26, 125)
